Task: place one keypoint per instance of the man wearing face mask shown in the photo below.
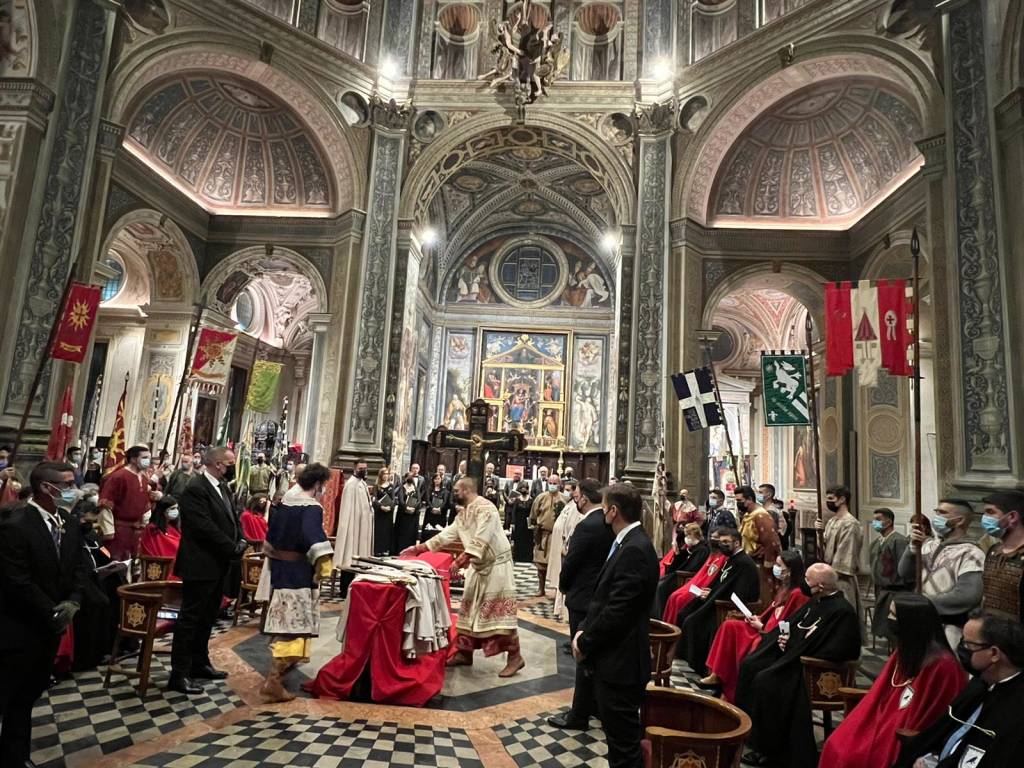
(355, 519)
(43, 575)
(125, 499)
(718, 515)
(757, 528)
(210, 540)
(180, 477)
(74, 457)
(952, 565)
(299, 558)
(543, 514)
(886, 552)
(984, 726)
(843, 539)
(260, 476)
(771, 685)
(1004, 564)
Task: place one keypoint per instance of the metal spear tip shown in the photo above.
(915, 243)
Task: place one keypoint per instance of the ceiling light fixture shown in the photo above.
(428, 237)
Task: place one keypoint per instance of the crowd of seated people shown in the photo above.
(950, 692)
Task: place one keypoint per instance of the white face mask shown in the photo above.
(144, 463)
(690, 541)
(172, 513)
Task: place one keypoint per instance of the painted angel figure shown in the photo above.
(506, 51)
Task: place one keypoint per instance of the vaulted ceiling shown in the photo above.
(822, 157)
(232, 147)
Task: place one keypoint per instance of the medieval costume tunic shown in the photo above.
(355, 523)
(867, 736)
(736, 639)
(517, 514)
(669, 602)
(843, 539)
(383, 518)
(1004, 581)
(564, 526)
(126, 494)
(886, 552)
(410, 505)
(951, 579)
(543, 515)
(699, 620)
(487, 614)
(298, 558)
(760, 540)
(771, 683)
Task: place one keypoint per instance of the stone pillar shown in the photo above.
(54, 225)
(365, 433)
(307, 15)
(646, 362)
(398, 34)
(657, 34)
(981, 365)
(318, 448)
(402, 346)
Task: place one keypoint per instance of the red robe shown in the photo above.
(867, 736)
(254, 527)
(735, 639)
(159, 544)
(682, 596)
(127, 495)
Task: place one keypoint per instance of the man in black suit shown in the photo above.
(210, 540)
(42, 577)
(588, 549)
(613, 642)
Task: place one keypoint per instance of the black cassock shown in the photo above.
(771, 682)
(517, 514)
(699, 620)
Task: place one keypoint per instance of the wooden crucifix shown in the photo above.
(478, 440)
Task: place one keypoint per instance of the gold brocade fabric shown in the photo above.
(1003, 577)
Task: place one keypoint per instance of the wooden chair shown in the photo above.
(664, 638)
(684, 728)
(252, 567)
(683, 576)
(726, 609)
(851, 698)
(140, 606)
(824, 680)
(155, 568)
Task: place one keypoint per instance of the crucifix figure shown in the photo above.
(478, 440)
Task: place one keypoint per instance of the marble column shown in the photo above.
(981, 364)
(398, 34)
(318, 448)
(365, 433)
(56, 220)
(306, 16)
(647, 341)
(657, 34)
(402, 346)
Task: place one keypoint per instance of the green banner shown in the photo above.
(784, 383)
(263, 386)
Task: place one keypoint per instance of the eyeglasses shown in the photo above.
(966, 645)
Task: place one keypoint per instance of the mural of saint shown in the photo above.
(492, 385)
(472, 284)
(804, 474)
(455, 413)
(550, 423)
(584, 417)
(553, 387)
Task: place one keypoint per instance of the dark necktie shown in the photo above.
(226, 495)
(54, 532)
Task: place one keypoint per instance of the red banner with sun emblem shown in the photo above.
(76, 323)
(212, 362)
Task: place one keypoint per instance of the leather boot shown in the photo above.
(542, 576)
(513, 665)
(273, 690)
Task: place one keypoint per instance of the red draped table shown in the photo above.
(376, 615)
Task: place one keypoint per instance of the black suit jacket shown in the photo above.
(616, 637)
(34, 578)
(209, 532)
(588, 549)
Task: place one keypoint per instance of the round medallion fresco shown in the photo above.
(529, 272)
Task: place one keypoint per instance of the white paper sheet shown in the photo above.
(740, 604)
(695, 590)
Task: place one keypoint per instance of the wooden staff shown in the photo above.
(721, 409)
(812, 405)
(44, 358)
(915, 250)
(88, 433)
(175, 420)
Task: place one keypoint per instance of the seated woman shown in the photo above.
(668, 602)
(161, 537)
(913, 690)
(690, 550)
(254, 518)
(738, 637)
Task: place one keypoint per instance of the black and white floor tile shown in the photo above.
(80, 715)
(297, 740)
(526, 580)
(532, 743)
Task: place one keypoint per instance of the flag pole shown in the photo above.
(44, 358)
(812, 406)
(175, 420)
(915, 251)
(718, 399)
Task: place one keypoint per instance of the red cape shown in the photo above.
(682, 596)
(867, 736)
(254, 527)
(159, 544)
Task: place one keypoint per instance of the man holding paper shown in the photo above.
(699, 620)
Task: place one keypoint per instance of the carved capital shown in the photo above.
(934, 151)
(390, 115)
(27, 97)
(1010, 113)
(108, 138)
(655, 118)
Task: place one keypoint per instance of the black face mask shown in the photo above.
(85, 528)
(832, 506)
(229, 473)
(260, 460)
(361, 473)
(725, 546)
(964, 655)
(806, 589)
(741, 506)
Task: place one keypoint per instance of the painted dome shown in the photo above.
(231, 146)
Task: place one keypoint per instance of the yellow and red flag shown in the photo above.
(212, 362)
(116, 448)
(76, 323)
(60, 436)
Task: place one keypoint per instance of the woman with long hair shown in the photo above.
(162, 535)
(914, 688)
(254, 518)
(383, 512)
(738, 637)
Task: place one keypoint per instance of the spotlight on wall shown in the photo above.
(388, 68)
(428, 237)
(662, 70)
(610, 241)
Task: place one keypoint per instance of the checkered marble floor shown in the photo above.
(526, 580)
(532, 743)
(80, 715)
(296, 740)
